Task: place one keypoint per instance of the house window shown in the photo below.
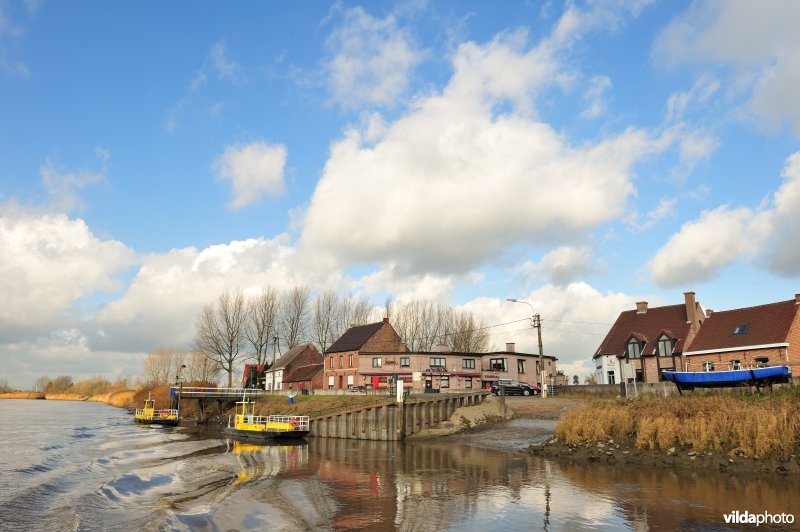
(611, 378)
(341, 361)
(762, 361)
(497, 364)
(520, 366)
(330, 362)
(639, 375)
(405, 361)
(741, 329)
(708, 366)
(444, 382)
(468, 363)
(377, 362)
(634, 348)
(350, 360)
(736, 364)
(437, 362)
(664, 346)
(468, 383)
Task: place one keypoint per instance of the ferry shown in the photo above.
(150, 416)
(248, 426)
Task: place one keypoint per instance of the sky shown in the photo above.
(579, 156)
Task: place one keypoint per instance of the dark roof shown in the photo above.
(767, 324)
(306, 373)
(355, 337)
(291, 354)
(646, 326)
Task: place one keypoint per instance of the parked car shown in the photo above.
(515, 387)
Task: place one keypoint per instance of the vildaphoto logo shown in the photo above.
(763, 518)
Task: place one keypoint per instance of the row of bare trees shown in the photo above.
(165, 365)
(236, 327)
(424, 324)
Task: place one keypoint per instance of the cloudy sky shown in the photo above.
(578, 155)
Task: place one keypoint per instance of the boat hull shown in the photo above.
(265, 435)
(687, 380)
(154, 421)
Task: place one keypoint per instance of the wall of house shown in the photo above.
(384, 340)
(342, 375)
(722, 361)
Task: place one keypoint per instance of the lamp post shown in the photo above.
(536, 323)
(274, 357)
(179, 379)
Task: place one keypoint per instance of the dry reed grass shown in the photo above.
(757, 427)
(21, 395)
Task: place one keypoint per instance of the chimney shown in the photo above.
(797, 299)
(709, 312)
(691, 307)
(641, 307)
(510, 347)
(386, 319)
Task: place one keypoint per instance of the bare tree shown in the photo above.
(4, 385)
(466, 334)
(161, 366)
(294, 315)
(60, 384)
(323, 325)
(219, 331)
(201, 368)
(352, 312)
(261, 322)
(424, 324)
(41, 384)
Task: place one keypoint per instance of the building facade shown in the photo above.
(299, 356)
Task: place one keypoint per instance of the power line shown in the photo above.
(580, 322)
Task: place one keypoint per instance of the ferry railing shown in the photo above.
(193, 392)
(295, 422)
(159, 413)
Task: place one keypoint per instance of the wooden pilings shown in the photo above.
(393, 421)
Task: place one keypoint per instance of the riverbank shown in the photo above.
(119, 399)
(728, 433)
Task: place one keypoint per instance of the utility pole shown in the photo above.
(274, 358)
(536, 323)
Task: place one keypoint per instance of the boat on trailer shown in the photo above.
(149, 415)
(758, 377)
(248, 426)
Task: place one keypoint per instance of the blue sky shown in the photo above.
(581, 156)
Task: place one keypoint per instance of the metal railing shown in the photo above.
(275, 422)
(161, 413)
(192, 392)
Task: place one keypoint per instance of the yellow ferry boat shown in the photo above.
(246, 425)
(149, 415)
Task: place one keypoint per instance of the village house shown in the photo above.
(373, 356)
(645, 341)
(765, 335)
(282, 373)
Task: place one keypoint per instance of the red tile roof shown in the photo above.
(649, 325)
(306, 373)
(767, 324)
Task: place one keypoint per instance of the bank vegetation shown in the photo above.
(749, 425)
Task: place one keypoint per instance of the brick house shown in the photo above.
(299, 356)
(356, 350)
(765, 335)
(645, 341)
(305, 377)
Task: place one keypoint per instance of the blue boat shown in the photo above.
(688, 380)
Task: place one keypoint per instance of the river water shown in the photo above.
(87, 466)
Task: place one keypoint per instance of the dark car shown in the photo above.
(515, 388)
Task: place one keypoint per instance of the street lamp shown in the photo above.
(179, 380)
(536, 323)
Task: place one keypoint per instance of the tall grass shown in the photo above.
(755, 426)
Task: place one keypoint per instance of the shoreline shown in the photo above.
(119, 399)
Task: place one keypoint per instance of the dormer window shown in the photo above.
(634, 348)
(741, 329)
(664, 346)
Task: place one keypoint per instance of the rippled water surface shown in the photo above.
(87, 466)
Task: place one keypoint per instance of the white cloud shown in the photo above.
(595, 97)
(454, 182)
(664, 208)
(722, 236)
(254, 170)
(64, 187)
(48, 263)
(563, 265)
(372, 60)
(222, 66)
(757, 42)
(701, 92)
(407, 287)
(575, 319)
